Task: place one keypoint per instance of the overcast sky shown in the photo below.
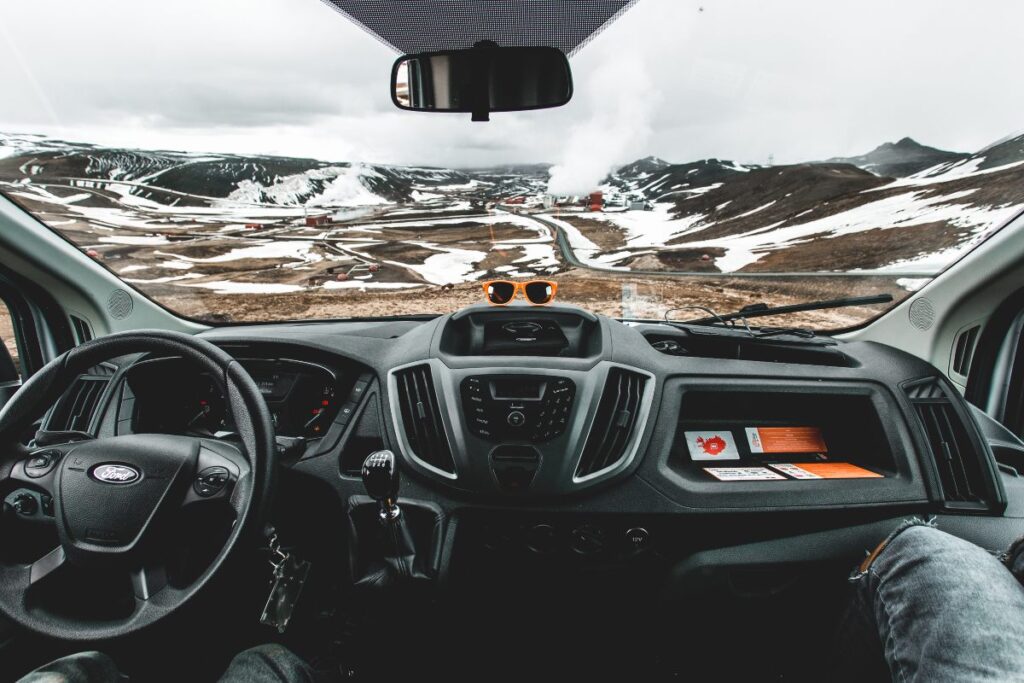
(681, 79)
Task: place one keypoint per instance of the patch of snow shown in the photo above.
(584, 250)
(450, 266)
(539, 256)
(300, 250)
(347, 189)
(174, 265)
(162, 280)
(139, 240)
(229, 287)
(942, 173)
(652, 228)
(752, 211)
(912, 284)
(904, 210)
(363, 285)
(421, 196)
(342, 186)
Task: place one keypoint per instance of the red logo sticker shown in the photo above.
(712, 446)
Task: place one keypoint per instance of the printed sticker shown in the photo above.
(785, 440)
(831, 470)
(712, 445)
(795, 471)
(743, 473)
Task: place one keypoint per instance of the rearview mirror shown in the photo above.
(481, 80)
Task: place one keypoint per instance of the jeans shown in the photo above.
(263, 664)
(929, 606)
(267, 664)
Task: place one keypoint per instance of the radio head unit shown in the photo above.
(510, 408)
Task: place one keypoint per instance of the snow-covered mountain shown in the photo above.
(902, 206)
(656, 179)
(900, 159)
(186, 178)
(838, 215)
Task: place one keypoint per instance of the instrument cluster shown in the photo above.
(172, 396)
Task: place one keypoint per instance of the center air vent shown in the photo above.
(421, 418)
(75, 409)
(959, 463)
(614, 423)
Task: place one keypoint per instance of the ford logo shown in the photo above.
(110, 473)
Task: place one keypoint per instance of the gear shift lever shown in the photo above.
(391, 548)
(381, 479)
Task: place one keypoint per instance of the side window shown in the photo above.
(993, 361)
(10, 365)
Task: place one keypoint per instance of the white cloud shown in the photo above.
(800, 79)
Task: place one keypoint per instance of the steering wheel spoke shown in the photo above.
(148, 580)
(219, 468)
(46, 567)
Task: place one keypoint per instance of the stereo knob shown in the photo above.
(516, 419)
(588, 539)
(542, 539)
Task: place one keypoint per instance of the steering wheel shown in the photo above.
(113, 496)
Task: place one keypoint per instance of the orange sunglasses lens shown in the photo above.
(539, 291)
(500, 292)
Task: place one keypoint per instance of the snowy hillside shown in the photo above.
(189, 178)
(181, 225)
(900, 159)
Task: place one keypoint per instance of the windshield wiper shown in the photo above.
(760, 310)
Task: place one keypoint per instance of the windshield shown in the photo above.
(250, 165)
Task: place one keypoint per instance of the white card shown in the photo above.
(743, 473)
(794, 471)
(712, 445)
(754, 439)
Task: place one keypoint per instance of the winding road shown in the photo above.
(570, 257)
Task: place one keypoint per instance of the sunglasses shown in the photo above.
(537, 292)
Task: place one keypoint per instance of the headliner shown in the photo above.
(425, 25)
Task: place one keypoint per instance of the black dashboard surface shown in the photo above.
(596, 426)
(871, 376)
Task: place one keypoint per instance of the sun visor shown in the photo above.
(410, 26)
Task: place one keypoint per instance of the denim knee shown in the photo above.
(944, 609)
(933, 537)
(270, 663)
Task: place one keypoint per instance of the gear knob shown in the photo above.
(381, 480)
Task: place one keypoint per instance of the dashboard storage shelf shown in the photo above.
(750, 445)
(765, 427)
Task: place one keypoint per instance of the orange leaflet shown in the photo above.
(838, 470)
(785, 440)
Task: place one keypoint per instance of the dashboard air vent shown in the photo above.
(963, 351)
(75, 409)
(957, 460)
(421, 418)
(613, 425)
(83, 332)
